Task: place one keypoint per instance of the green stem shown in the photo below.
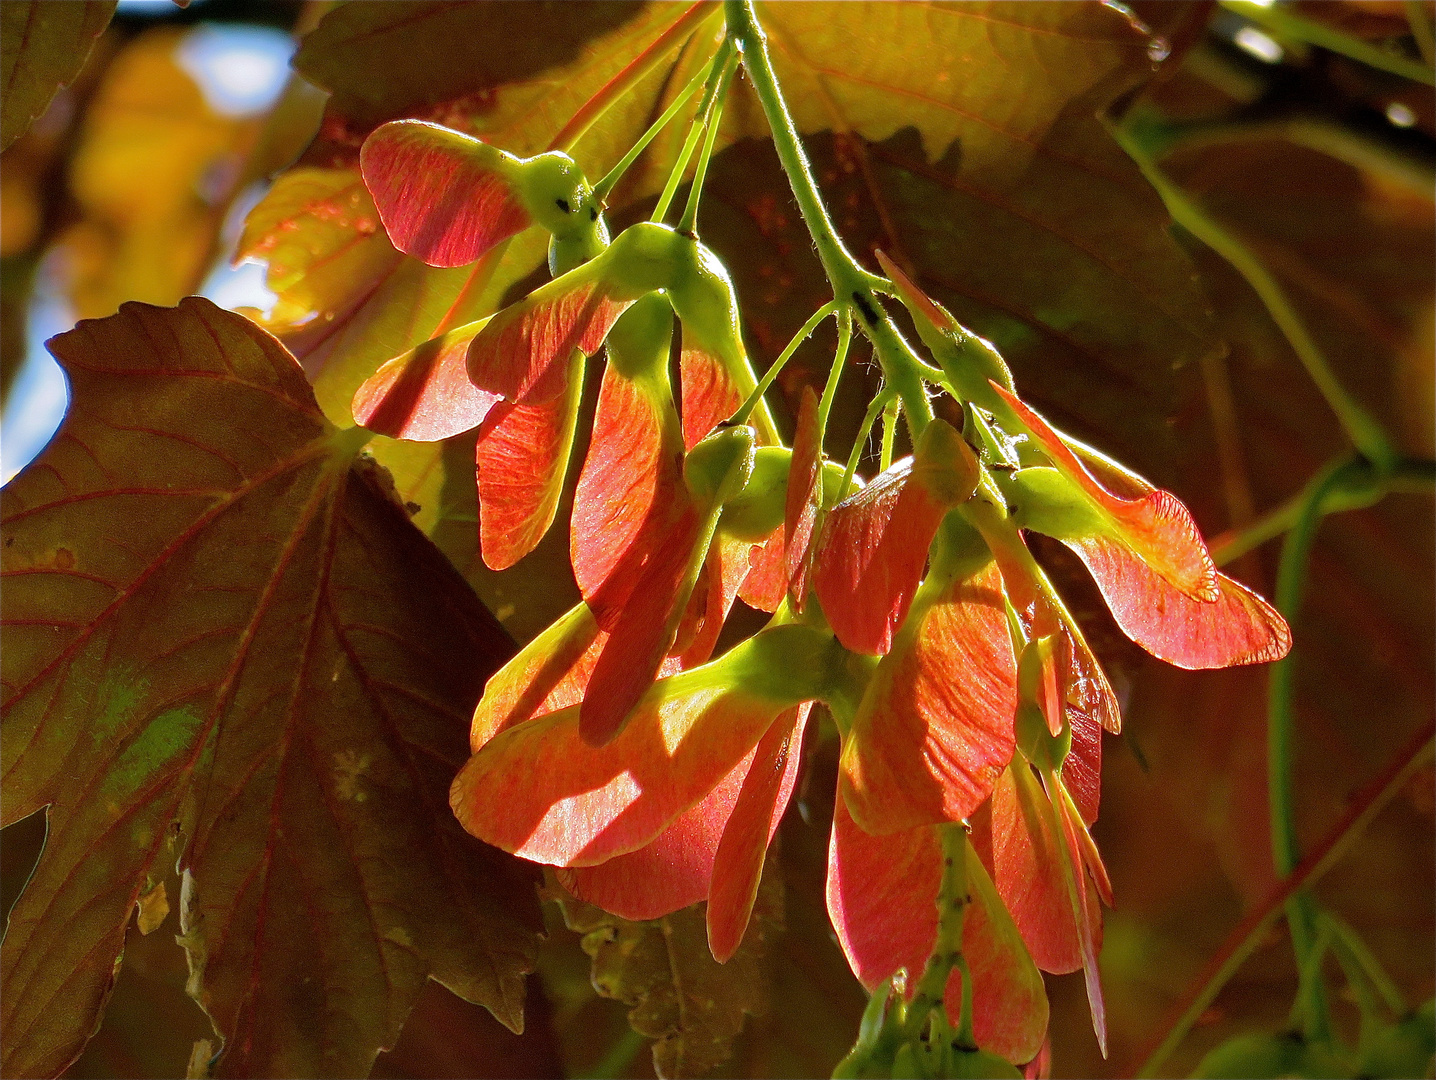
(947, 948)
(1280, 20)
(966, 1037)
(870, 417)
(1347, 941)
(835, 373)
(1291, 575)
(695, 129)
(889, 434)
(1377, 151)
(688, 223)
(1360, 427)
(852, 285)
(746, 409)
(1310, 984)
(1408, 476)
(615, 174)
(619, 1057)
(1246, 938)
(1286, 852)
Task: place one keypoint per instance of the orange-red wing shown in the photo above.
(724, 572)
(767, 580)
(874, 543)
(709, 394)
(425, 394)
(644, 628)
(521, 458)
(441, 194)
(540, 791)
(672, 871)
(522, 353)
(1082, 771)
(1239, 627)
(738, 863)
(1157, 527)
(804, 500)
(882, 894)
(935, 727)
(1014, 835)
(630, 492)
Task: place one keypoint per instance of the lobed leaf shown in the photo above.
(348, 301)
(225, 644)
(680, 996)
(382, 59)
(931, 154)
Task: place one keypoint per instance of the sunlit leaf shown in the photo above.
(226, 645)
(680, 996)
(153, 172)
(45, 45)
(348, 301)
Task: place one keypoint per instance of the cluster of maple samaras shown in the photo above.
(613, 748)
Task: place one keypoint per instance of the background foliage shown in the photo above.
(964, 140)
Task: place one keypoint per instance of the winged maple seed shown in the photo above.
(652, 776)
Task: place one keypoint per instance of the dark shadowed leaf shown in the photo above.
(383, 60)
(45, 45)
(224, 643)
(680, 996)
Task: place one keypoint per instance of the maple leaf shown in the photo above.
(225, 643)
(680, 996)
